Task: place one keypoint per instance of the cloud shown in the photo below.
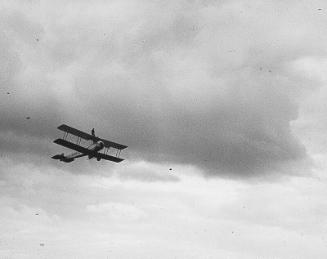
(116, 211)
(146, 172)
(194, 83)
(206, 88)
(95, 216)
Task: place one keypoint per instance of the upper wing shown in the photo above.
(86, 151)
(108, 144)
(76, 132)
(87, 136)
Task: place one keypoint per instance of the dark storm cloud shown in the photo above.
(27, 107)
(189, 82)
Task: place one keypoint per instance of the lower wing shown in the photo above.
(75, 155)
(84, 151)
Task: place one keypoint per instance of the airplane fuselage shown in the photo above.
(94, 147)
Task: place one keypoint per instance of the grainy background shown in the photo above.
(229, 95)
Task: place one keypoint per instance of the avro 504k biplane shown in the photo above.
(91, 149)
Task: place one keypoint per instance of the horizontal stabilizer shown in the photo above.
(57, 157)
(62, 158)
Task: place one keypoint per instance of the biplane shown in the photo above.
(85, 144)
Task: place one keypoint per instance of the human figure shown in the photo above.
(93, 132)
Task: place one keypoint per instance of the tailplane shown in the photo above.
(62, 158)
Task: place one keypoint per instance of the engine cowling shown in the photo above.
(100, 145)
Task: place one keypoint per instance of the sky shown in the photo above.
(229, 95)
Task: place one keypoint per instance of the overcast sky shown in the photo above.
(231, 95)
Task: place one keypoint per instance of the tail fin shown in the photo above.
(60, 156)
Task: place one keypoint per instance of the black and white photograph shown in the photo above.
(177, 129)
